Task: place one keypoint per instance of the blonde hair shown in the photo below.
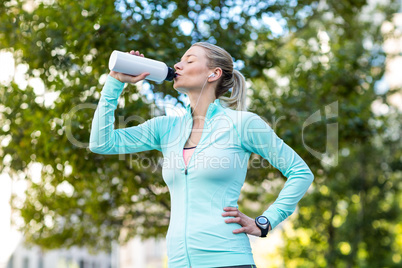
(218, 57)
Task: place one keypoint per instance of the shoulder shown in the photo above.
(167, 122)
(166, 119)
(245, 119)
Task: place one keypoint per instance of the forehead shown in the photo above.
(195, 50)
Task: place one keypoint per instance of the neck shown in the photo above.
(200, 109)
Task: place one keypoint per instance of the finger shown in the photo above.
(230, 208)
(241, 230)
(235, 220)
(131, 51)
(137, 53)
(138, 78)
(142, 55)
(231, 213)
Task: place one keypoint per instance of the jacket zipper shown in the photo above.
(185, 227)
(186, 173)
(186, 201)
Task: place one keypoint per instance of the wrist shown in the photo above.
(263, 224)
(115, 76)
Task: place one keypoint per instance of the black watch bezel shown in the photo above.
(263, 227)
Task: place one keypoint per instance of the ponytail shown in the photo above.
(231, 79)
(237, 99)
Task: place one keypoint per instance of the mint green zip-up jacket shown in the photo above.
(198, 236)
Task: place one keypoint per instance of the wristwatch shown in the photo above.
(263, 223)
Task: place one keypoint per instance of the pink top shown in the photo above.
(187, 153)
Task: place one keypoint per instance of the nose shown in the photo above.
(177, 66)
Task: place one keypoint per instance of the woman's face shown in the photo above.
(192, 70)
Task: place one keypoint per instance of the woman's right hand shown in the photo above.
(126, 78)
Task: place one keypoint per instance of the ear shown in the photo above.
(217, 75)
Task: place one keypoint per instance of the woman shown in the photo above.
(205, 159)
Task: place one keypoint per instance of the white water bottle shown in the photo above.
(135, 65)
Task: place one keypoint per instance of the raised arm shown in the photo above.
(104, 139)
(258, 137)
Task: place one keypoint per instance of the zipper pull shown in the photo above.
(185, 171)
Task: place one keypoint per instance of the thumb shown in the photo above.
(138, 78)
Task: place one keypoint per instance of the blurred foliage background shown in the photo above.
(299, 57)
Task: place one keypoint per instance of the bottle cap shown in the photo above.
(171, 74)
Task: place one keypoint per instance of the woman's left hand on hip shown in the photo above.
(247, 223)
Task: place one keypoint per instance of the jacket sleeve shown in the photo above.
(259, 138)
(104, 139)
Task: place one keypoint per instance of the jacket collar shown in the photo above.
(213, 108)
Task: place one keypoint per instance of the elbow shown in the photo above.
(308, 174)
(311, 177)
(93, 145)
(100, 149)
(97, 148)
(96, 145)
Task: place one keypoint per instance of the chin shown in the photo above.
(179, 87)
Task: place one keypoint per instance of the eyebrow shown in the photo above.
(189, 56)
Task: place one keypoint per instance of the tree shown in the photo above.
(347, 219)
(318, 58)
(66, 45)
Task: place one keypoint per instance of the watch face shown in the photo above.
(262, 220)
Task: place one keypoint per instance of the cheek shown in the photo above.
(190, 79)
(195, 73)
(196, 77)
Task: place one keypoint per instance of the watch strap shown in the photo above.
(264, 231)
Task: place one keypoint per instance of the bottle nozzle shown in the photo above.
(171, 74)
